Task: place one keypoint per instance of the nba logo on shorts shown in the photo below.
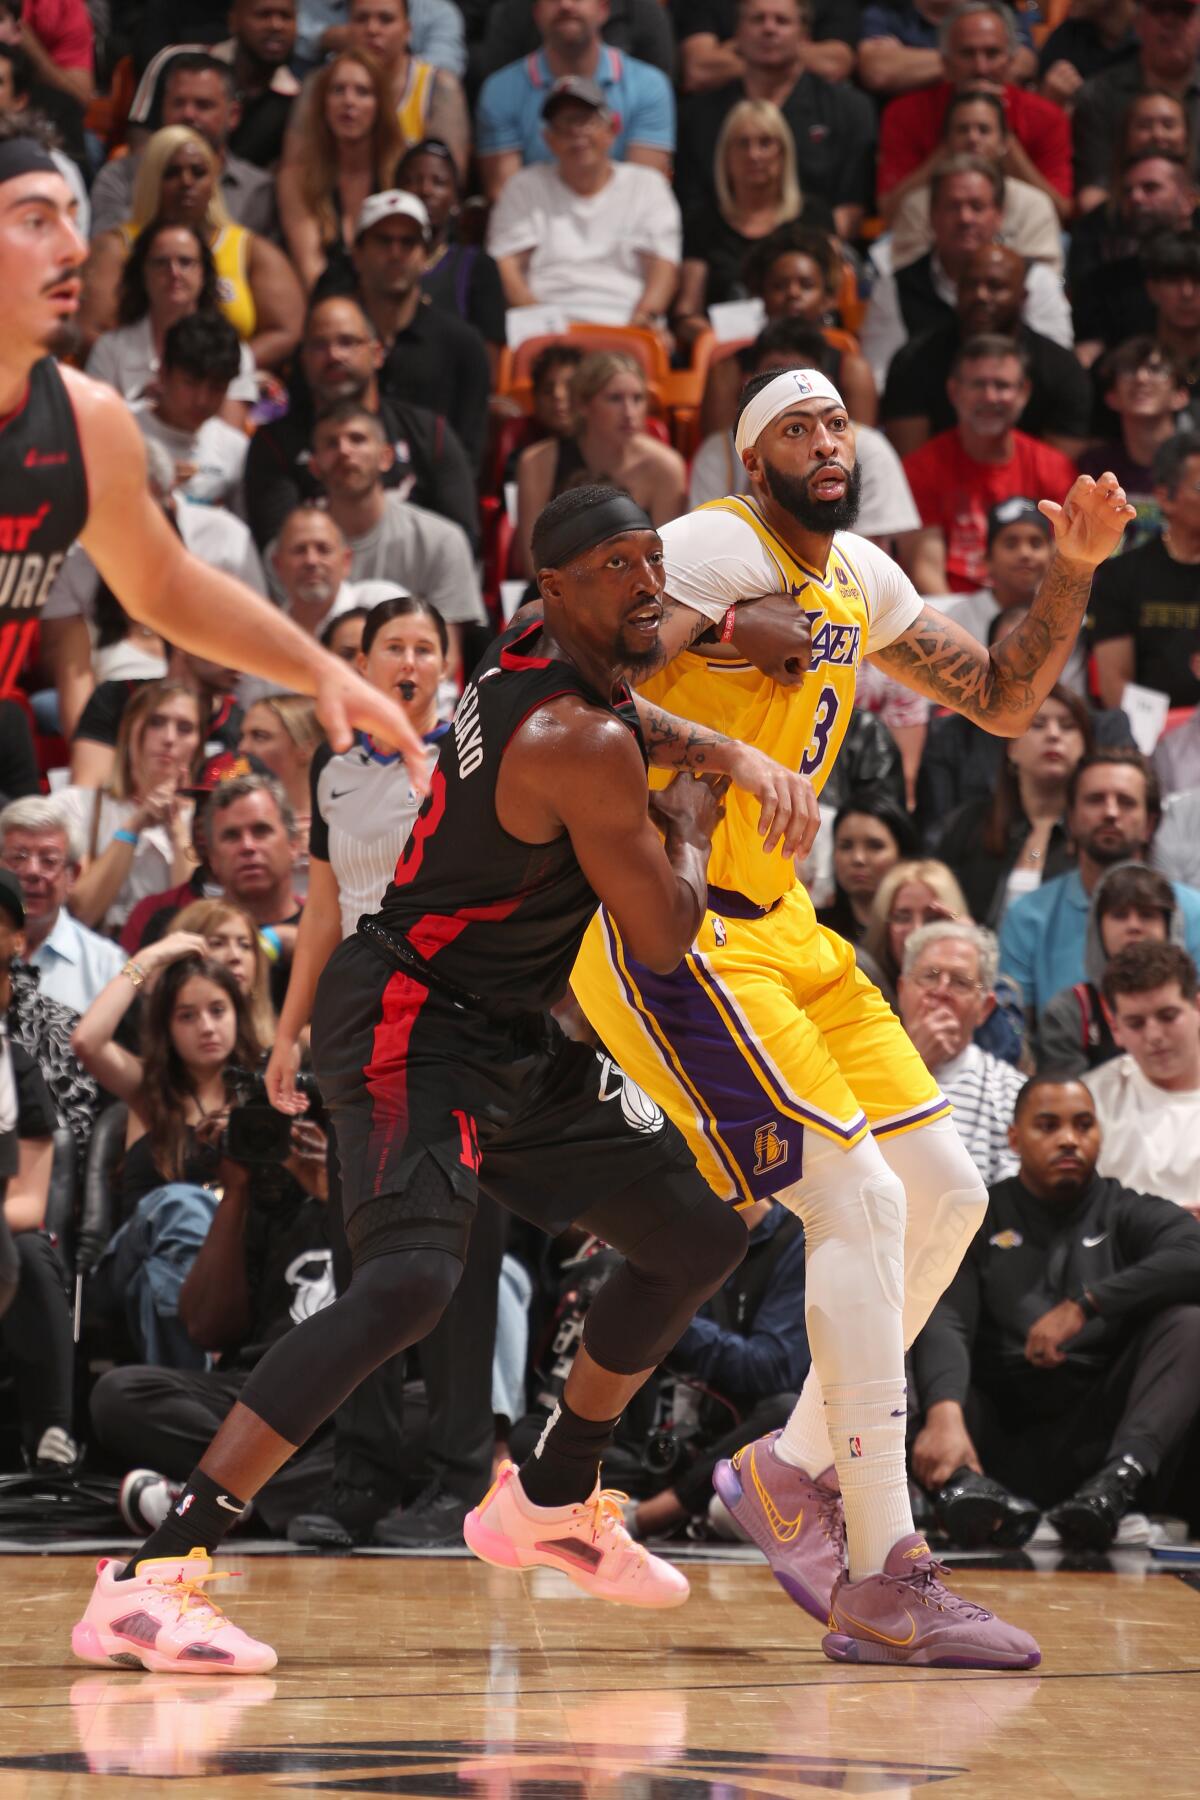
(769, 1148)
(720, 935)
(856, 1446)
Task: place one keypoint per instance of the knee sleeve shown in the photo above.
(946, 1201)
(853, 1210)
(393, 1300)
(680, 1242)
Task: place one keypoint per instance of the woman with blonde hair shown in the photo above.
(283, 732)
(349, 152)
(913, 893)
(758, 190)
(137, 829)
(231, 937)
(178, 183)
(610, 444)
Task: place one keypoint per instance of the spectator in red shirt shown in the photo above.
(960, 474)
(979, 44)
(57, 37)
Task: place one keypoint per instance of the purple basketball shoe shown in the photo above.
(795, 1520)
(907, 1615)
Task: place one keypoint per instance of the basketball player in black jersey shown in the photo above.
(444, 1073)
(73, 466)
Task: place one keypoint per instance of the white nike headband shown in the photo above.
(789, 386)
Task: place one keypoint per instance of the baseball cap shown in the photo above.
(391, 204)
(226, 765)
(1019, 509)
(11, 899)
(575, 87)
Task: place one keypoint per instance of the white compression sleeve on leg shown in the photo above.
(945, 1201)
(853, 1212)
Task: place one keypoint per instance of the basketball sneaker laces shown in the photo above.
(189, 1599)
(608, 1516)
(927, 1586)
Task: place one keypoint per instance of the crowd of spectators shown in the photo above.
(378, 281)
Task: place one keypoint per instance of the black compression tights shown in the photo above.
(393, 1300)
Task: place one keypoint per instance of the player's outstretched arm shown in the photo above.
(571, 767)
(789, 817)
(200, 608)
(1003, 688)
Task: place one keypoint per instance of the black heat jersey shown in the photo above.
(43, 492)
(497, 917)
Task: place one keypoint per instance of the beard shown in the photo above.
(792, 493)
(63, 338)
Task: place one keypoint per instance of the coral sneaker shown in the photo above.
(588, 1542)
(796, 1521)
(906, 1615)
(162, 1620)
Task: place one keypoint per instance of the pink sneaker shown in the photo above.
(588, 1542)
(162, 1620)
(906, 1615)
(795, 1519)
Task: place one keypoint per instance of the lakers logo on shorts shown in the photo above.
(769, 1148)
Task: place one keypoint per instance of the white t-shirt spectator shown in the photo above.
(97, 814)
(1149, 1138)
(127, 360)
(587, 248)
(216, 456)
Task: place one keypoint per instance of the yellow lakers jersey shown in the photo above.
(801, 727)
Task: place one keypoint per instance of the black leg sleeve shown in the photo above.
(393, 1300)
(456, 1361)
(679, 1243)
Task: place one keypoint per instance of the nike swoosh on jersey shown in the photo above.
(1090, 1243)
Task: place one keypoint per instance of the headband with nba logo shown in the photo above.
(789, 387)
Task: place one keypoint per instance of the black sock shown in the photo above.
(565, 1462)
(201, 1516)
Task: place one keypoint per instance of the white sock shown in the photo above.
(867, 1425)
(804, 1440)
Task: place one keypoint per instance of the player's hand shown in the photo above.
(788, 812)
(690, 808)
(345, 702)
(280, 1077)
(1091, 521)
(1047, 1335)
(942, 1446)
(773, 634)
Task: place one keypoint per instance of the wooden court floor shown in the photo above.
(447, 1679)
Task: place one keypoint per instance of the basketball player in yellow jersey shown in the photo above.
(781, 1063)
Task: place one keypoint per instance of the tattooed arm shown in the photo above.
(788, 814)
(1001, 689)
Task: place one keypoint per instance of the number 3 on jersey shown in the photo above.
(823, 720)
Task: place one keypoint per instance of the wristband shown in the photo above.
(134, 972)
(125, 837)
(269, 940)
(1086, 1304)
(728, 625)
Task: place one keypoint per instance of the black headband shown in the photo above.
(25, 156)
(571, 536)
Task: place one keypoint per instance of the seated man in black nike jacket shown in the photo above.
(1061, 1361)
